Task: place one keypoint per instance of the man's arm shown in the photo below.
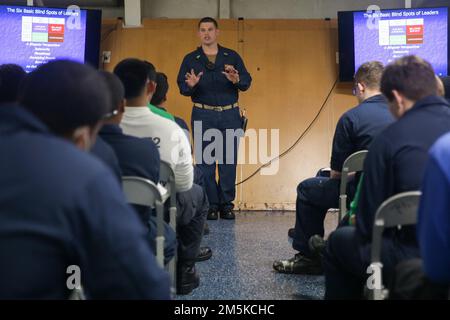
(183, 163)
(185, 68)
(343, 145)
(245, 78)
(117, 260)
(377, 186)
(434, 223)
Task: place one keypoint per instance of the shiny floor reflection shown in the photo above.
(243, 253)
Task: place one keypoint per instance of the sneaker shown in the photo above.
(299, 264)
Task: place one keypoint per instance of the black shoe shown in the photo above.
(227, 214)
(299, 264)
(291, 233)
(212, 215)
(187, 279)
(204, 254)
(317, 245)
(206, 229)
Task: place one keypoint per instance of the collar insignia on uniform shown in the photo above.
(225, 53)
(197, 57)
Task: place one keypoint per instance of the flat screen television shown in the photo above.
(31, 36)
(386, 35)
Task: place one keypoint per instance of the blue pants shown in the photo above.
(346, 260)
(213, 148)
(314, 197)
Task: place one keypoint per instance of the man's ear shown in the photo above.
(122, 105)
(361, 87)
(398, 104)
(81, 137)
(151, 87)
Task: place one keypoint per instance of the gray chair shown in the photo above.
(167, 179)
(140, 191)
(354, 163)
(399, 210)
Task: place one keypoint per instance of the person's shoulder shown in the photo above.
(191, 55)
(440, 151)
(144, 145)
(228, 51)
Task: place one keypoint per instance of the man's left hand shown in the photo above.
(231, 74)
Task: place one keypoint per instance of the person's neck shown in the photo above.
(137, 102)
(162, 105)
(210, 49)
(371, 93)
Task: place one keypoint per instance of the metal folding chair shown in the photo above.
(167, 179)
(354, 163)
(140, 191)
(398, 210)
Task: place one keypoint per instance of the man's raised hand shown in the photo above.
(192, 79)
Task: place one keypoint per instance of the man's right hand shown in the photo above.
(192, 79)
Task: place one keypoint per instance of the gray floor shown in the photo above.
(243, 253)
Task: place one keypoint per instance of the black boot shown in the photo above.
(212, 215)
(187, 278)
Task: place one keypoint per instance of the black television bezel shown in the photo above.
(93, 33)
(347, 44)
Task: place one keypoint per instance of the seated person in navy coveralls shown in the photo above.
(213, 76)
(61, 207)
(136, 157)
(395, 163)
(354, 132)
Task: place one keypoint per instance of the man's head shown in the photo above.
(70, 98)
(139, 80)
(208, 31)
(162, 87)
(406, 81)
(11, 77)
(117, 97)
(367, 80)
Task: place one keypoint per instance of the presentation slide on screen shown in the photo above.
(391, 34)
(33, 36)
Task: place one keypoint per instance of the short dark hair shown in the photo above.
(446, 83)
(369, 74)
(162, 87)
(115, 89)
(412, 76)
(208, 19)
(134, 74)
(65, 95)
(11, 76)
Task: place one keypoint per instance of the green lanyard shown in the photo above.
(354, 203)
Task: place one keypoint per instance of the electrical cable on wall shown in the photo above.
(284, 153)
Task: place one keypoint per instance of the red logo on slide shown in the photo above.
(414, 34)
(55, 33)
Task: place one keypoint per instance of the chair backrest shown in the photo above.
(398, 210)
(140, 191)
(167, 178)
(143, 192)
(354, 163)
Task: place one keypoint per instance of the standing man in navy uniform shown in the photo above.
(212, 76)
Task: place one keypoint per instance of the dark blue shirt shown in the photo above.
(61, 207)
(104, 152)
(434, 213)
(213, 88)
(137, 156)
(358, 127)
(396, 162)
